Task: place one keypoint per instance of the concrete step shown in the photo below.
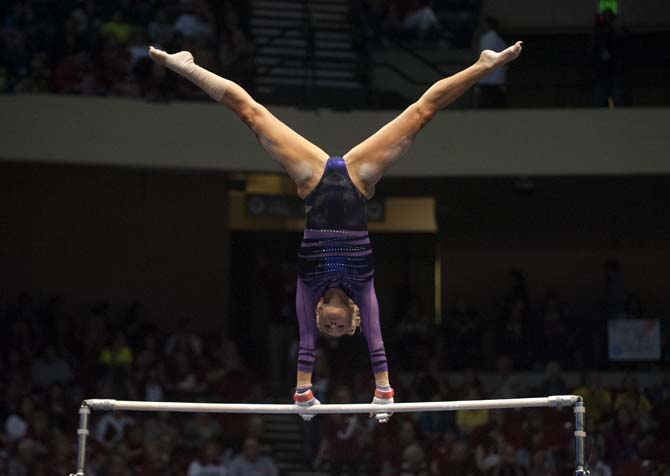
(299, 5)
(273, 435)
(294, 41)
(300, 82)
(299, 52)
(303, 72)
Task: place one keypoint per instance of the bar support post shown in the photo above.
(82, 435)
(580, 437)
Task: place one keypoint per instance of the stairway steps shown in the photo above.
(331, 74)
(273, 61)
(302, 53)
(301, 42)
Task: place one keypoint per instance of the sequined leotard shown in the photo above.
(336, 252)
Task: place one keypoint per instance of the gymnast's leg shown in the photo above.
(301, 159)
(368, 161)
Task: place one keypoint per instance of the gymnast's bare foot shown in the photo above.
(179, 62)
(491, 59)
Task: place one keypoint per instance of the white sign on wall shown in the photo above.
(631, 340)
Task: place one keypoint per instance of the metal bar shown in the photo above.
(111, 405)
(82, 434)
(580, 436)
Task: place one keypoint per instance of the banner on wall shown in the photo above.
(634, 340)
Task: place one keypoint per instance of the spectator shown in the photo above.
(598, 466)
(421, 21)
(251, 463)
(608, 57)
(110, 429)
(161, 30)
(191, 23)
(117, 27)
(553, 382)
(460, 462)
(631, 396)
(507, 464)
(492, 89)
(200, 429)
(414, 461)
(207, 463)
(342, 442)
(541, 465)
(621, 441)
(50, 368)
(16, 424)
(596, 398)
(506, 384)
(27, 459)
(468, 420)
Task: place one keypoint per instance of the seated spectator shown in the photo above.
(200, 429)
(117, 27)
(192, 23)
(161, 29)
(116, 465)
(598, 465)
(50, 368)
(251, 463)
(156, 463)
(507, 465)
(27, 460)
(505, 383)
(342, 442)
(488, 449)
(621, 441)
(110, 428)
(459, 463)
(414, 461)
(541, 464)
(207, 463)
(632, 396)
(115, 366)
(421, 21)
(468, 420)
(553, 382)
(596, 398)
(433, 425)
(16, 424)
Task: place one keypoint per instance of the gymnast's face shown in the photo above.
(333, 315)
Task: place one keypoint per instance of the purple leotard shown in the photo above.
(336, 252)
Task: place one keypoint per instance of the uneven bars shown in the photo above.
(128, 405)
(553, 401)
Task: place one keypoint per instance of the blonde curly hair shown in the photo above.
(355, 323)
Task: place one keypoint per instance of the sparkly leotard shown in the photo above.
(336, 252)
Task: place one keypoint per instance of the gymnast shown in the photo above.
(335, 291)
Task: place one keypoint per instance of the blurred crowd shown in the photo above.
(100, 48)
(442, 22)
(54, 356)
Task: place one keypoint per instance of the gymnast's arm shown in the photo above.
(369, 308)
(305, 309)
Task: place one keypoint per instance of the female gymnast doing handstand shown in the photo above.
(335, 289)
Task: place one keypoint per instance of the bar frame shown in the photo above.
(574, 401)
